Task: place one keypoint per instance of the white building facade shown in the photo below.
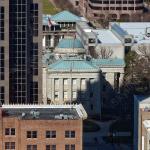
(73, 80)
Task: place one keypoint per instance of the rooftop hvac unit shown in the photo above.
(148, 31)
(35, 114)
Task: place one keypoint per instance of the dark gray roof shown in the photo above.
(42, 113)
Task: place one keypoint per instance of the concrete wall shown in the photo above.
(92, 104)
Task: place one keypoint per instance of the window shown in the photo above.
(69, 134)
(65, 94)
(10, 131)
(91, 94)
(128, 40)
(2, 10)
(50, 147)
(77, 3)
(83, 81)
(35, 59)
(74, 94)
(56, 82)
(65, 81)
(34, 91)
(82, 94)
(91, 40)
(31, 147)
(31, 134)
(2, 63)
(74, 81)
(34, 11)
(9, 145)
(50, 134)
(70, 147)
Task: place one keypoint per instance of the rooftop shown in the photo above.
(73, 64)
(44, 112)
(117, 29)
(48, 58)
(106, 37)
(142, 99)
(65, 16)
(84, 65)
(137, 29)
(110, 63)
(70, 43)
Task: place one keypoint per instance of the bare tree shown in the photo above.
(138, 68)
(144, 51)
(66, 5)
(104, 53)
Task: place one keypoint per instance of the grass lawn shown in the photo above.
(48, 8)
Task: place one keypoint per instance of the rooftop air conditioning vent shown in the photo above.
(148, 31)
(35, 114)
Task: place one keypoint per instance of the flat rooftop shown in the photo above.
(44, 112)
(146, 123)
(137, 29)
(106, 37)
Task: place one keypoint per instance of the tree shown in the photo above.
(144, 51)
(104, 52)
(137, 71)
(66, 5)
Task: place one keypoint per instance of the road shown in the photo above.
(91, 144)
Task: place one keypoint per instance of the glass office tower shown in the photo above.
(23, 27)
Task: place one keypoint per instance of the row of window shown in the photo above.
(34, 12)
(75, 94)
(35, 59)
(2, 23)
(114, 8)
(2, 68)
(66, 81)
(2, 94)
(48, 134)
(74, 81)
(115, 2)
(11, 146)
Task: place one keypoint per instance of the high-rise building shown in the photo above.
(111, 9)
(141, 136)
(20, 51)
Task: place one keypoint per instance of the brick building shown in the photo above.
(41, 127)
(114, 9)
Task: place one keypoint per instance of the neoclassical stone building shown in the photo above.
(79, 80)
(73, 80)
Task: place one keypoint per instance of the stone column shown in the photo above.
(121, 79)
(69, 89)
(78, 86)
(44, 42)
(44, 86)
(61, 91)
(52, 41)
(53, 89)
(110, 78)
